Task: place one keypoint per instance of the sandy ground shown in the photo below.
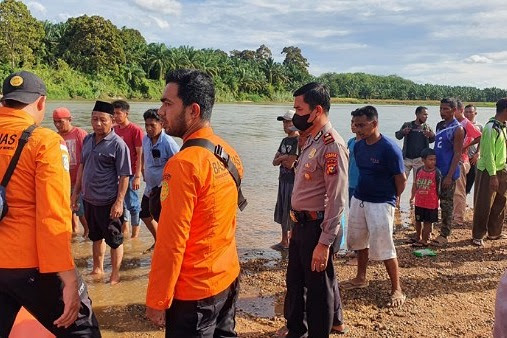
(450, 295)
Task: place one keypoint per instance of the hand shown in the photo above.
(406, 130)
(493, 183)
(412, 198)
(72, 303)
(320, 257)
(473, 159)
(427, 133)
(136, 183)
(446, 182)
(116, 209)
(156, 316)
(74, 205)
(288, 162)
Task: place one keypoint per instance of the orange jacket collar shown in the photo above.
(21, 114)
(205, 132)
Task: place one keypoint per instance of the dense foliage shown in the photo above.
(89, 57)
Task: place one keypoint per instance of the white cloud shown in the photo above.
(478, 59)
(160, 6)
(160, 23)
(34, 6)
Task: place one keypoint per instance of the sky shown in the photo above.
(451, 42)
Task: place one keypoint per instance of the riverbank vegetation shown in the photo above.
(88, 57)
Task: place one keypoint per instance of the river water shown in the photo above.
(255, 133)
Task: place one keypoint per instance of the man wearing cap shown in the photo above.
(285, 158)
(318, 200)
(103, 176)
(73, 137)
(36, 266)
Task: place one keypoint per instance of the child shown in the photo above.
(285, 158)
(425, 191)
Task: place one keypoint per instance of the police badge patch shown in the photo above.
(331, 163)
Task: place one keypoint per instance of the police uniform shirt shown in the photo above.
(321, 180)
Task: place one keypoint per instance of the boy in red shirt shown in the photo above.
(425, 191)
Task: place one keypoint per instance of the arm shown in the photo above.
(404, 130)
(335, 166)
(400, 181)
(117, 208)
(136, 183)
(278, 159)
(142, 165)
(53, 215)
(412, 193)
(70, 297)
(429, 134)
(181, 180)
(459, 135)
(77, 188)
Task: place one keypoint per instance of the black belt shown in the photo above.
(306, 216)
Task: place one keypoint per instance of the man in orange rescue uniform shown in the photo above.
(193, 284)
(36, 266)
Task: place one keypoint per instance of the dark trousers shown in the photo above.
(471, 178)
(489, 208)
(214, 316)
(309, 313)
(41, 295)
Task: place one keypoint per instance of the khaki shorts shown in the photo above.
(412, 164)
(371, 227)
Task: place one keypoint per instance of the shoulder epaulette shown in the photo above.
(328, 138)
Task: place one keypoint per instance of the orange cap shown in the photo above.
(61, 113)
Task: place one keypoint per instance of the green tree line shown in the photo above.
(89, 57)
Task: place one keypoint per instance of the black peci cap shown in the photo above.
(103, 107)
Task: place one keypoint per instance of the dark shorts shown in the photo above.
(41, 295)
(103, 227)
(150, 206)
(426, 215)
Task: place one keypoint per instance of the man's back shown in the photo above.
(36, 231)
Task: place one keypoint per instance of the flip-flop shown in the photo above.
(344, 331)
(495, 238)
(399, 297)
(349, 285)
(420, 245)
(279, 247)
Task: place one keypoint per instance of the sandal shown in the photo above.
(477, 242)
(279, 247)
(439, 241)
(420, 245)
(350, 285)
(397, 299)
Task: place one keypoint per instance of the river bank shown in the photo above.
(450, 295)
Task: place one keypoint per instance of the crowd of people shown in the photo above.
(192, 195)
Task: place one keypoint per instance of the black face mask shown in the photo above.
(301, 122)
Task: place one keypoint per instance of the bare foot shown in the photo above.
(85, 234)
(114, 279)
(97, 271)
(339, 329)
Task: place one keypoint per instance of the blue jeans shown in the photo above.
(131, 204)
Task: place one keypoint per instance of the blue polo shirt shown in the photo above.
(444, 147)
(378, 163)
(103, 163)
(155, 157)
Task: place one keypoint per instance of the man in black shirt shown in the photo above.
(416, 135)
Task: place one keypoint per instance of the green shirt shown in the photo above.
(493, 148)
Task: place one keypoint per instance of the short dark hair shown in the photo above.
(427, 152)
(369, 111)
(151, 114)
(194, 86)
(121, 104)
(315, 94)
(451, 101)
(14, 104)
(420, 109)
(471, 106)
(459, 104)
(501, 105)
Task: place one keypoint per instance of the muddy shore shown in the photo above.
(450, 295)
